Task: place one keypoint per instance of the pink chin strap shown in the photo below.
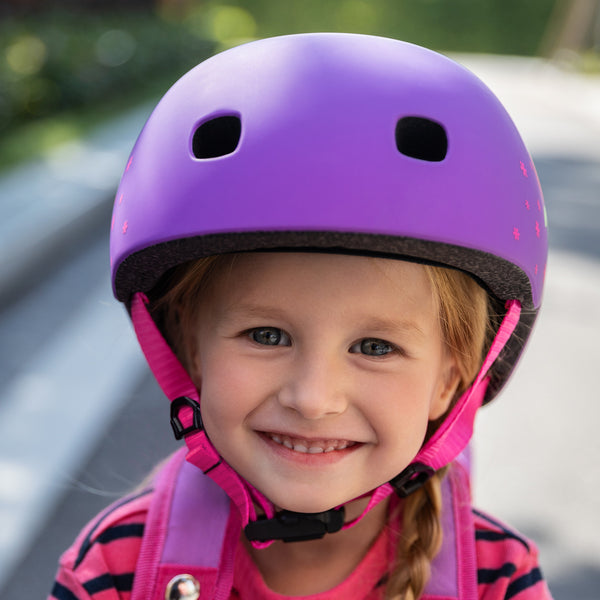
(450, 439)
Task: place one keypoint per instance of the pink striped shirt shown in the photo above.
(100, 565)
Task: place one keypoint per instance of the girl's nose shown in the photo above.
(315, 388)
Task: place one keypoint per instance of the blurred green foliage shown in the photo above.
(496, 26)
(55, 64)
(64, 60)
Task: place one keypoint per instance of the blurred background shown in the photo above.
(81, 420)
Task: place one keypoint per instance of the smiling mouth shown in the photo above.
(309, 446)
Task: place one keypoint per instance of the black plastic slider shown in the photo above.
(178, 429)
(292, 526)
(411, 479)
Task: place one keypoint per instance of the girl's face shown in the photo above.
(319, 373)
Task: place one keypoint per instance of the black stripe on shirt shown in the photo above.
(490, 536)
(119, 532)
(492, 575)
(122, 583)
(60, 592)
(526, 581)
(87, 542)
(508, 534)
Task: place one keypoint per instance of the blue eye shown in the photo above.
(269, 336)
(373, 347)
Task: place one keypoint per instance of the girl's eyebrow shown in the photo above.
(253, 310)
(391, 325)
(376, 324)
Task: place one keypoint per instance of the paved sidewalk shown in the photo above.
(49, 205)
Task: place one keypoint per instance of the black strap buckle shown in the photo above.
(411, 479)
(295, 527)
(178, 429)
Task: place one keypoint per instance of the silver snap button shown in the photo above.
(183, 587)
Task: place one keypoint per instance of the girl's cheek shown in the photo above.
(227, 390)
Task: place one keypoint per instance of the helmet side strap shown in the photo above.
(456, 431)
(185, 413)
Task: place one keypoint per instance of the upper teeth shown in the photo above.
(310, 447)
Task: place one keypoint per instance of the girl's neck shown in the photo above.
(311, 567)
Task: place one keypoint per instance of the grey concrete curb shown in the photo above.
(50, 204)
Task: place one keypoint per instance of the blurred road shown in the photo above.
(81, 421)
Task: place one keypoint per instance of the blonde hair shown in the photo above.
(467, 327)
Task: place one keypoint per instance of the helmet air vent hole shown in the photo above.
(421, 138)
(217, 137)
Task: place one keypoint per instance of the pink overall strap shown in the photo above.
(454, 569)
(155, 531)
(190, 530)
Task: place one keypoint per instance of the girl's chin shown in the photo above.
(353, 508)
(304, 508)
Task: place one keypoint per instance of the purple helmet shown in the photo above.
(340, 142)
(332, 142)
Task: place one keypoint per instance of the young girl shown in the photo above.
(332, 248)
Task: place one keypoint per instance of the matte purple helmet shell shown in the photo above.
(340, 142)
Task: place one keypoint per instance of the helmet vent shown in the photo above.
(421, 138)
(217, 137)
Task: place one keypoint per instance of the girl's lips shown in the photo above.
(306, 446)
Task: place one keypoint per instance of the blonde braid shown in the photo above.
(420, 541)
